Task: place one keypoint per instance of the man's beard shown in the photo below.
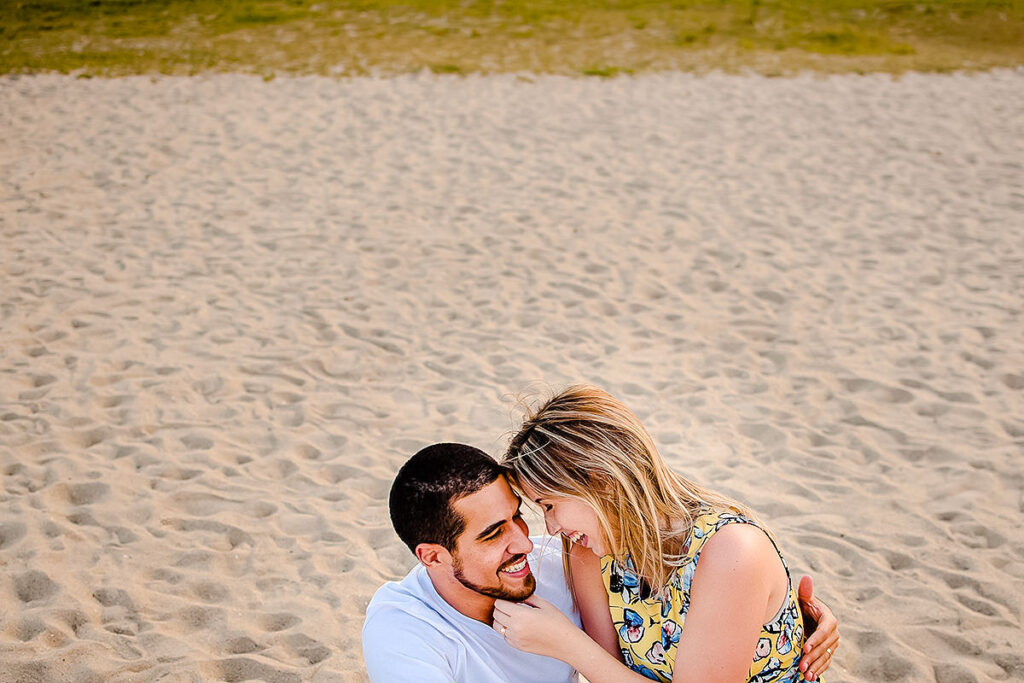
(529, 585)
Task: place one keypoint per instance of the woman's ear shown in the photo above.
(433, 554)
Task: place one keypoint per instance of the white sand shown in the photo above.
(229, 309)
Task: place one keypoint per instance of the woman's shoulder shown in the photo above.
(717, 538)
(708, 522)
(716, 517)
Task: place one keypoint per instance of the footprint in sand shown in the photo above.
(233, 536)
(899, 561)
(210, 591)
(339, 473)
(975, 535)
(279, 622)
(260, 509)
(11, 533)
(119, 613)
(34, 586)
(305, 647)
(88, 439)
(85, 494)
(201, 504)
(978, 605)
(113, 401)
(947, 672)
(877, 391)
(878, 662)
(240, 645)
(979, 596)
(245, 669)
(766, 434)
(1014, 381)
(195, 618)
(179, 473)
(28, 628)
(308, 452)
(196, 442)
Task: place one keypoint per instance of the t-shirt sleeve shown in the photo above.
(404, 650)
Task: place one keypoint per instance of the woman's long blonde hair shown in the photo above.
(584, 444)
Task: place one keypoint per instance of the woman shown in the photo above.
(647, 550)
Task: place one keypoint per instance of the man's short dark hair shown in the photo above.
(427, 486)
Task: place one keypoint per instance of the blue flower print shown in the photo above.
(632, 629)
(670, 632)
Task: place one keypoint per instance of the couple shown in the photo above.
(488, 603)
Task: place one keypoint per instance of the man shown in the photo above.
(452, 505)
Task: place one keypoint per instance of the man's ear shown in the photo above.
(433, 554)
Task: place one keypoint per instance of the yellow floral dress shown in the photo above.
(649, 623)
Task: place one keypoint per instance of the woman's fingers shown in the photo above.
(500, 622)
(504, 607)
(537, 601)
(823, 641)
(823, 630)
(830, 649)
(504, 615)
(818, 660)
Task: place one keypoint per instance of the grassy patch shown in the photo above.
(116, 37)
(446, 68)
(606, 71)
(844, 41)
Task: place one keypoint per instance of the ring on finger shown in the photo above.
(503, 629)
(827, 649)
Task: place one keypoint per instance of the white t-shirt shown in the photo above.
(412, 634)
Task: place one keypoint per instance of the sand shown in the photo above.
(230, 309)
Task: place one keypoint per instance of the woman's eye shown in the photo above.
(548, 507)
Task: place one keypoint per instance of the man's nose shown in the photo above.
(520, 542)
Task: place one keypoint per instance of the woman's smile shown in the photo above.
(577, 538)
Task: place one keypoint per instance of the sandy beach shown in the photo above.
(230, 309)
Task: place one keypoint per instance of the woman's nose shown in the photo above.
(551, 525)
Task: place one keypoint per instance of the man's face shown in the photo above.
(490, 555)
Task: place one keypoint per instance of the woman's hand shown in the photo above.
(822, 643)
(534, 626)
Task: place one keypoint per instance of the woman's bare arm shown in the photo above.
(592, 599)
(738, 585)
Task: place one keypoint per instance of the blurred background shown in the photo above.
(573, 37)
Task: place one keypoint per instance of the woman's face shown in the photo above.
(571, 517)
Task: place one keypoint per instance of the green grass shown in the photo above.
(606, 71)
(120, 37)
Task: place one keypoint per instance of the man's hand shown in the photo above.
(822, 631)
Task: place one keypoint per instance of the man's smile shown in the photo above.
(517, 568)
